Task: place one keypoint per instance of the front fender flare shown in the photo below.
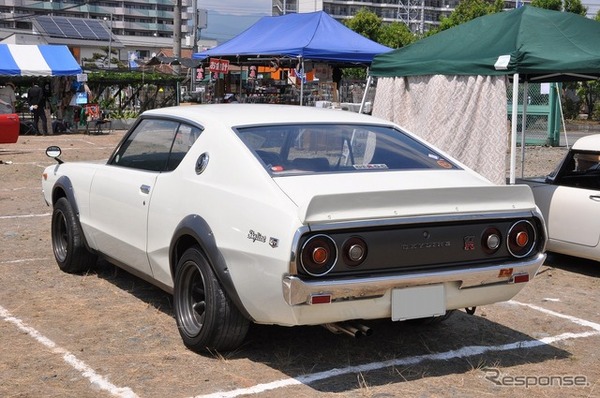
(197, 228)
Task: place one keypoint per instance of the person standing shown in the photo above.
(37, 105)
(7, 98)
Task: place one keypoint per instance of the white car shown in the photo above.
(569, 199)
(292, 216)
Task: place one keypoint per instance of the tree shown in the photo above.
(468, 10)
(574, 6)
(555, 5)
(597, 18)
(395, 35)
(366, 23)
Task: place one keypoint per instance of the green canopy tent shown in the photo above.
(528, 44)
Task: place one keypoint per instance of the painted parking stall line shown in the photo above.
(87, 372)
(13, 217)
(463, 352)
(578, 321)
(26, 260)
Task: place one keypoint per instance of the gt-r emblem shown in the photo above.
(273, 242)
(469, 243)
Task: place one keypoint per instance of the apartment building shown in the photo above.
(143, 26)
(419, 15)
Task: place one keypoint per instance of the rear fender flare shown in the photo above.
(193, 229)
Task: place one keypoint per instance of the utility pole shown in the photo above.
(177, 33)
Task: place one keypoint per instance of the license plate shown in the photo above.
(418, 302)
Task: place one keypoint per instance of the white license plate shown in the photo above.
(418, 302)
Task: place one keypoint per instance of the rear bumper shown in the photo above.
(300, 292)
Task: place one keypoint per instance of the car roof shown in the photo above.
(588, 143)
(233, 115)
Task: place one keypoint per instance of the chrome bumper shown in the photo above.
(297, 291)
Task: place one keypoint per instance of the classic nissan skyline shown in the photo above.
(292, 216)
(569, 199)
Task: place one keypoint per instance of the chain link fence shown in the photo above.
(541, 109)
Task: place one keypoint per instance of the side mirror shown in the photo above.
(54, 152)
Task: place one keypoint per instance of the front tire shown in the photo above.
(206, 318)
(68, 244)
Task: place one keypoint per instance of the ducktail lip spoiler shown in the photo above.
(401, 203)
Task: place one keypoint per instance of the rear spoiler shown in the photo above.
(418, 202)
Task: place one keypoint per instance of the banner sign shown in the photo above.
(219, 65)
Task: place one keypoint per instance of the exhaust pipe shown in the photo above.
(351, 329)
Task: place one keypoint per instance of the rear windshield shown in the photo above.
(326, 148)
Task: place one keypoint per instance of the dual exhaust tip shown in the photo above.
(355, 330)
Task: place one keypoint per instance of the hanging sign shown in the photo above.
(219, 65)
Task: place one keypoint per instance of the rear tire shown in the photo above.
(206, 318)
(68, 244)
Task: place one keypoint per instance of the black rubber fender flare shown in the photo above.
(63, 184)
(196, 228)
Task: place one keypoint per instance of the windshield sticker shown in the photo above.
(431, 155)
(370, 166)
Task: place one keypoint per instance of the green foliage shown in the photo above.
(366, 23)
(597, 18)
(555, 5)
(574, 6)
(468, 10)
(395, 35)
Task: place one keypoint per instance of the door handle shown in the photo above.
(145, 189)
(595, 198)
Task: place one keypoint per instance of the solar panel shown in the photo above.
(74, 28)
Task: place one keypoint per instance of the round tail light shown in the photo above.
(354, 251)
(491, 240)
(521, 238)
(318, 255)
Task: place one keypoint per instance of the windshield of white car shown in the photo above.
(330, 148)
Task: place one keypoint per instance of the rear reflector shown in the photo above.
(520, 278)
(320, 299)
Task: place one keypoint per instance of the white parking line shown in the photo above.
(24, 216)
(578, 321)
(25, 260)
(463, 352)
(87, 372)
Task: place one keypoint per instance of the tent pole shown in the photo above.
(364, 98)
(301, 80)
(562, 116)
(513, 127)
(524, 125)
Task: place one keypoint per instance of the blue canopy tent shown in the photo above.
(312, 36)
(37, 60)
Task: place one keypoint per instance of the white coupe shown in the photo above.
(292, 216)
(569, 199)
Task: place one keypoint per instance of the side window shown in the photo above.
(581, 170)
(148, 146)
(184, 139)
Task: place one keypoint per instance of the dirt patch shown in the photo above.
(122, 329)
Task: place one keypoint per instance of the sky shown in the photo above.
(228, 18)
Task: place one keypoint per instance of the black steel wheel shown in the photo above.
(206, 318)
(68, 245)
